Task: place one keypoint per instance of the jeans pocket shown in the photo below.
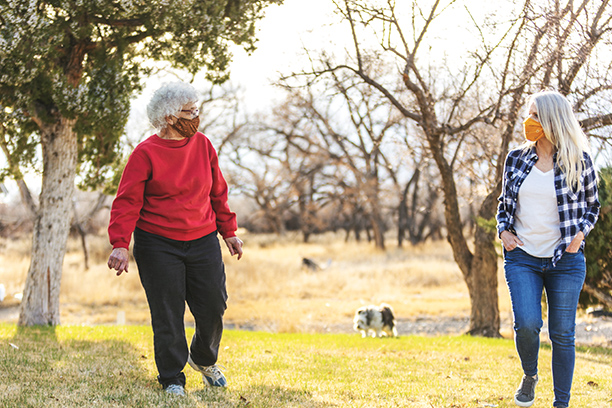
(576, 258)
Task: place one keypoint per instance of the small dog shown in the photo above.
(377, 320)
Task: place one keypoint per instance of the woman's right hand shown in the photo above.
(510, 241)
(119, 260)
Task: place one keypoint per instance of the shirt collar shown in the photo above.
(532, 155)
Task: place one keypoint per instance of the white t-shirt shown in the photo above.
(537, 216)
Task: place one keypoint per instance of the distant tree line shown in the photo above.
(344, 162)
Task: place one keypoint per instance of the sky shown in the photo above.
(282, 34)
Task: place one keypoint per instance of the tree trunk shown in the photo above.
(78, 227)
(41, 296)
(479, 269)
(378, 232)
(482, 277)
(404, 221)
(26, 198)
(482, 286)
(24, 191)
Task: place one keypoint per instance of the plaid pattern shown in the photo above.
(578, 211)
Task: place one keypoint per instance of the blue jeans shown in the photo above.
(526, 277)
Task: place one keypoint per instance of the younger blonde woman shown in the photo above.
(547, 207)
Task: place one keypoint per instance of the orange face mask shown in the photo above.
(533, 130)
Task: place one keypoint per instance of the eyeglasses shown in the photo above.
(194, 112)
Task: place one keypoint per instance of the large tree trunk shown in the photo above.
(41, 296)
(482, 277)
(480, 268)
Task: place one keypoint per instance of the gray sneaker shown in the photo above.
(176, 389)
(211, 375)
(525, 395)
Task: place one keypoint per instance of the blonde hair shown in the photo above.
(562, 129)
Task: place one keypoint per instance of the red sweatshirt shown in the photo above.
(172, 188)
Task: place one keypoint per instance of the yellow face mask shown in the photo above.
(533, 130)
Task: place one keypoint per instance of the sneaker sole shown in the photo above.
(523, 404)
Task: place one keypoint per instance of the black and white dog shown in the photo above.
(377, 320)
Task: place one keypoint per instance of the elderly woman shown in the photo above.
(548, 206)
(173, 197)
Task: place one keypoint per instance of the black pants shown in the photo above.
(171, 273)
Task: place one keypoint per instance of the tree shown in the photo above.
(275, 173)
(68, 69)
(598, 282)
(348, 125)
(477, 99)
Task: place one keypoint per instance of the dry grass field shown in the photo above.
(269, 289)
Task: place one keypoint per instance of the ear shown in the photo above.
(170, 120)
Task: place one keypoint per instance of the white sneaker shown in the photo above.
(176, 389)
(211, 375)
(525, 395)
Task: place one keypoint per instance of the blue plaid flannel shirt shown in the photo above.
(578, 211)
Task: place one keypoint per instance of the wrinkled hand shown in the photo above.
(510, 240)
(119, 260)
(574, 246)
(234, 244)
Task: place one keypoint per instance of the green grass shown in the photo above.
(113, 366)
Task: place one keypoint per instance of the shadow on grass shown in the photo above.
(82, 369)
(45, 366)
(597, 350)
(587, 353)
(260, 396)
(36, 333)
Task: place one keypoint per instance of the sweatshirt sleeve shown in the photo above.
(126, 207)
(226, 219)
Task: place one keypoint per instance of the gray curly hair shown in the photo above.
(168, 100)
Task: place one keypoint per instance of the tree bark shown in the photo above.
(479, 269)
(481, 279)
(378, 232)
(40, 304)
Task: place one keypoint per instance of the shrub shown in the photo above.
(598, 249)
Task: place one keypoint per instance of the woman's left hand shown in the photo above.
(234, 244)
(574, 246)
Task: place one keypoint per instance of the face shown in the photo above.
(188, 111)
(360, 320)
(531, 126)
